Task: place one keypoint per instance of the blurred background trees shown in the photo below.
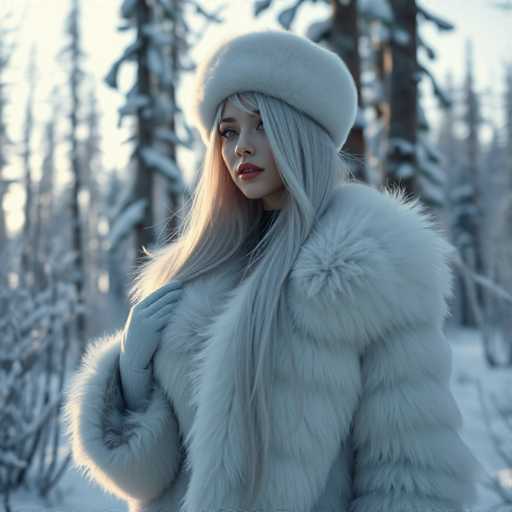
(65, 272)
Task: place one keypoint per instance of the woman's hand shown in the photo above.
(141, 337)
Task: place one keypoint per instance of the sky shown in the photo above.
(41, 25)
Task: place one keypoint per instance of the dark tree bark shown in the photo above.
(75, 79)
(401, 154)
(382, 66)
(344, 39)
(174, 196)
(144, 234)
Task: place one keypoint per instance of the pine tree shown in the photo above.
(92, 168)
(74, 53)
(401, 155)
(27, 255)
(341, 34)
(471, 214)
(6, 51)
(158, 51)
(45, 201)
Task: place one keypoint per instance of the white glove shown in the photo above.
(141, 337)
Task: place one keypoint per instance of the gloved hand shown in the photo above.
(140, 339)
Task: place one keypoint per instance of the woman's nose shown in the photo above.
(240, 149)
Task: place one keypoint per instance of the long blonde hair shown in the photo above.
(219, 221)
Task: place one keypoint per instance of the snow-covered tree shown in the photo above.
(495, 194)
(401, 163)
(431, 175)
(91, 167)
(340, 32)
(7, 47)
(27, 256)
(451, 148)
(343, 38)
(380, 40)
(496, 235)
(508, 123)
(412, 162)
(35, 330)
(400, 150)
(44, 197)
(482, 295)
(470, 212)
(74, 55)
(159, 52)
(376, 17)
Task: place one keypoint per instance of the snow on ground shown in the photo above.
(469, 373)
(76, 494)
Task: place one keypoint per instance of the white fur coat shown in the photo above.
(363, 353)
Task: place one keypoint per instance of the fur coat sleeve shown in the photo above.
(366, 359)
(131, 454)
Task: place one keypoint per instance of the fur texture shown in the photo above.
(363, 417)
(133, 455)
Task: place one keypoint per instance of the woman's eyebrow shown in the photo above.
(232, 119)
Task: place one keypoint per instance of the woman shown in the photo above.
(302, 364)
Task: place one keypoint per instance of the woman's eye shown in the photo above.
(224, 132)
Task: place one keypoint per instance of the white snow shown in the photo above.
(123, 225)
(360, 121)
(378, 9)
(474, 385)
(440, 23)
(154, 60)
(318, 29)
(405, 170)
(402, 145)
(133, 103)
(432, 191)
(161, 163)
(401, 36)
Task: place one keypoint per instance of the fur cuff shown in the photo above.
(131, 454)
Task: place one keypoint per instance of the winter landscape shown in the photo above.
(82, 128)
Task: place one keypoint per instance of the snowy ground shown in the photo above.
(75, 494)
(480, 416)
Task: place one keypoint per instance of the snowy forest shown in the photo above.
(66, 269)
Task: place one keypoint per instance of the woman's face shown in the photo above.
(243, 140)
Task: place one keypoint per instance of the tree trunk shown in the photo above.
(76, 229)
(344, 40)
(474, 216)
(28, 256)
(144, 234)
(401, 154)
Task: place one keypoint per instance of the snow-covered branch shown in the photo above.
(433, 18)
(482, 280)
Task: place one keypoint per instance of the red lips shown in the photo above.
(248, 167)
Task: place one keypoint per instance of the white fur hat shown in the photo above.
(279, 63)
